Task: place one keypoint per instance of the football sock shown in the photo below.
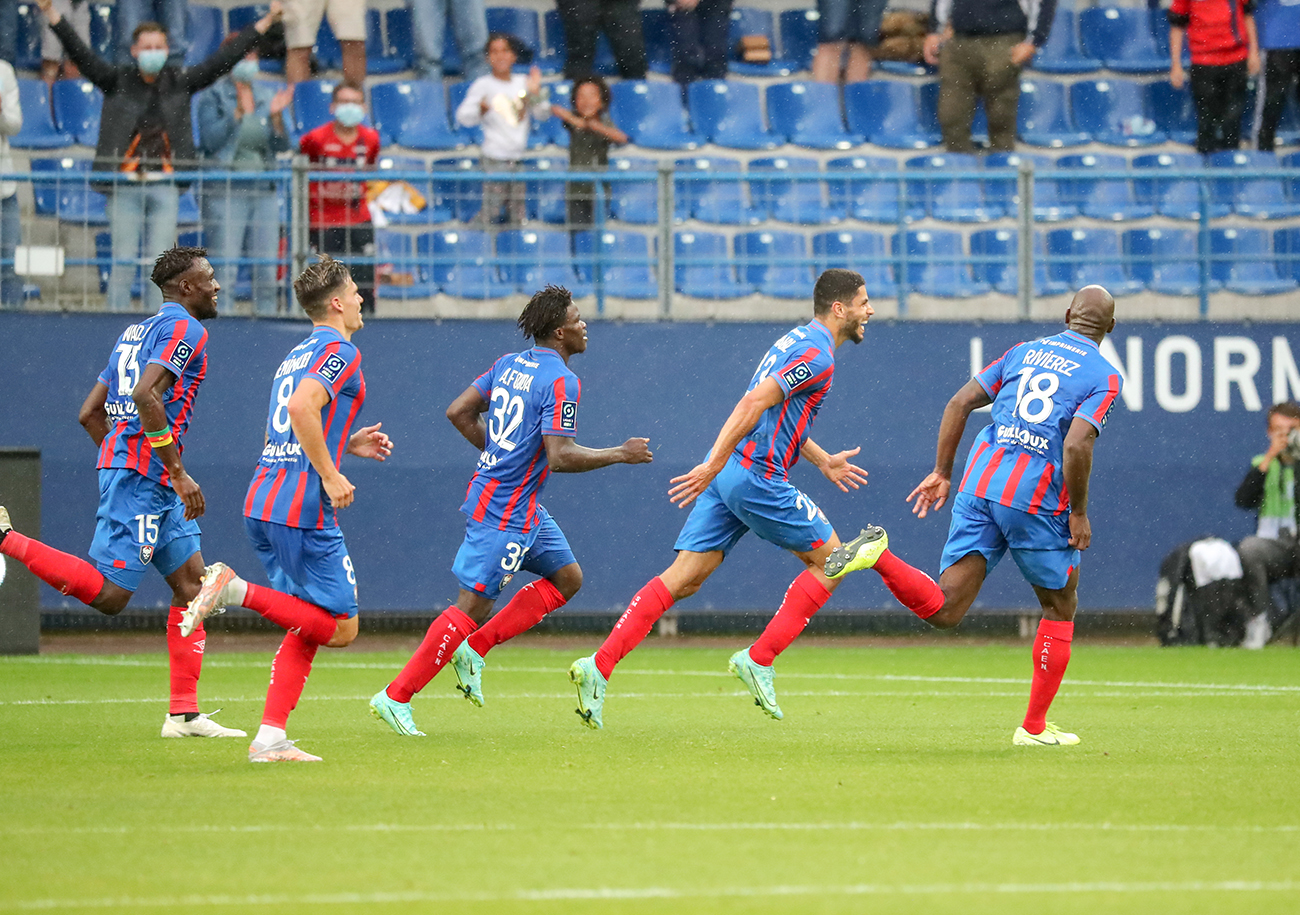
(634, 625)
(443, 638)
(914, 589)
(185, 657)
(289, 673)
(1051, 657)
(297, 616)
(524, 611)
(268, 734)
(68, 574)
(803, 598)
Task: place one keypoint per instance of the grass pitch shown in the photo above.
(891, 785)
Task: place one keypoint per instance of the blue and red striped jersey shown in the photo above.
(803, 364)
(1038, 388)
(286, 488)
(529, 395)
(174, 339)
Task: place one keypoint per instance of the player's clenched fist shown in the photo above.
(339, 490)
(637, 451)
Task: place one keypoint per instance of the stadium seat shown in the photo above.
(461, 263)
(382, 57)
(413, 114)
(799, 34)
(729, 113)
(523, 23)
(1173, 111)
(787, 199)
(703, 267)
(28, 39)
(436, 210)
(69, 196)
(721, 200)
(1286, 248)
(207, 27)
(1292, 161)
(808, 114)
(1242, 259)
(463, 196)
(311, 104)
(1111, 199)
(1123, 39)
(950, 199)
(101, 29)
(545, 197)
(1176, 198)
(1080, 257)
(1255, 197)
(1004, 273)
(533, 258)
(1160, 31)
(104, 262)
(38, 130)
(1062, 53)
(625, 260)
(887, 113)
(400, 34)
(77, 108)
(935, 264)
(635, 201)
(1044, 117)
(456, 92)
(1166, 260)
(866, 188)
(408, 278)
(655, 30)
(652, 115)
(776, 263)
(1050, 203)
(865, 252)
(1114, 112)
(552, 132)
(187, 208)
(746, 20)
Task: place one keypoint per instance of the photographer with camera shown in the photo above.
(1269, 489)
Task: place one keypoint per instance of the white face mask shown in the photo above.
(349, 114)
(151, 61)
(245, 71)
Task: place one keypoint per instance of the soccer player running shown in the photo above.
(744, 485)
(137, 414)
(522, 416)
(1025, 489)
(290, 510)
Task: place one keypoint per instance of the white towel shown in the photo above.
(1213, 559)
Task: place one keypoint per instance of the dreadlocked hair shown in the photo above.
(546, 312)
(173, 262)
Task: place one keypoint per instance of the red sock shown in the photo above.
(444, 637)
(186, 657)
(289, 673)
(634, 625)
(803, 598)
(524, 611)
(297, 616)
(1051, 657)
(59, 570)
(914, 589)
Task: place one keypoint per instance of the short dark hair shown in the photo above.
(601, 86)
(835, 285)
(316, 285)
(173, 262)
(346, 84)
(1288, 408)
(523, 53)
(546, 312)
(149, 27)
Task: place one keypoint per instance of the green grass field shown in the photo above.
(891, 785)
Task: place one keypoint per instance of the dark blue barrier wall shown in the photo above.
(1163, 473)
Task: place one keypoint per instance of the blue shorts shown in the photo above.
(139, 523)
(1040, 544)
(850, 20)
(738, 501)
(309, 564)
(488, 558)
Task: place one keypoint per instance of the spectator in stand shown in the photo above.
(11, 121)
(468, 24)
(504, 103)
(699, 32)
(145, 134)
(846, 25)
(1277, 24)
(302, 22)
(9, 30)
(1225, 52)
(54, 62)
(620, 20)
(241, 129)
(590, 134)
(172, 15)
(981, 47)
(338, 211)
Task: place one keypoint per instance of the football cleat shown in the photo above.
(397, 715)
(468, 665)
(280, 751)
(202, 726)
(213, 597)
(5, 525)
(859, 553)
(759, 680)
(1052, 736)
(591, 684)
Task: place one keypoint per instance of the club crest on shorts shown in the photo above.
(146, 554)
(796, 374)
(506, 580)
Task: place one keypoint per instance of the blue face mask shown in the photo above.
(151, 61)
(245, 71)
(349, 114)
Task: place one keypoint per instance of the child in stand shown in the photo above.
(590, 134)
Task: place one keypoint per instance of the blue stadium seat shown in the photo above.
(436, 211)
(721, 201)
(652, 115)
(1004, 274)
(1080, 257)
(799, 34)
(1166, 260)
(1114, 112)
(400, 35)
(1243, 262)
(776, 263)
(311, 103)
(1286, 248)
(413, 114)
(1173, 111)
(456, 92)
(1160, 31)
(77, 108)
(1292, 160)
(382, 57)
(68, 196)
(887, 112)
(461, 263)
(38, 130)
(1111, 199)
(407, 276)
(808, 114)
(521, 22)
(207, 26)
(866, 188)
(104, 260)
(1044, 117)
(1258, 198)
(865, 252)
(1176, 198)
(787, 199)
(950, 199)
(936, 265)
(1123, 39)
(746, 20)
(1050, 203)
(729, 113)
(1062, 53)
(655, 30)
(533, 258)
(463, 196)
(634, 201)
(187, 208)
(703, 267)
(545, 198)
(102, 21)
(552, 132)
(28, 39)
(626, 262)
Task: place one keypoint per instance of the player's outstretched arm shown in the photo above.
(835, 467)
(932, 492)
(740, 423)
(1076, 468)
(148, 396)
(93, 416)
(304, 416)
(370, 443)
(564, 455)
(466, 414)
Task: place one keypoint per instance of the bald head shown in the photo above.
(1091, 312)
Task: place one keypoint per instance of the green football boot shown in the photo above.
(1052, 736)
(397, 715)
(759, 680)
(591, 684)
(468, 665)
(859, 553)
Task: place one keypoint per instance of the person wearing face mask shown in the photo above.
(241, 129)
(145, 135)
(338, 211)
